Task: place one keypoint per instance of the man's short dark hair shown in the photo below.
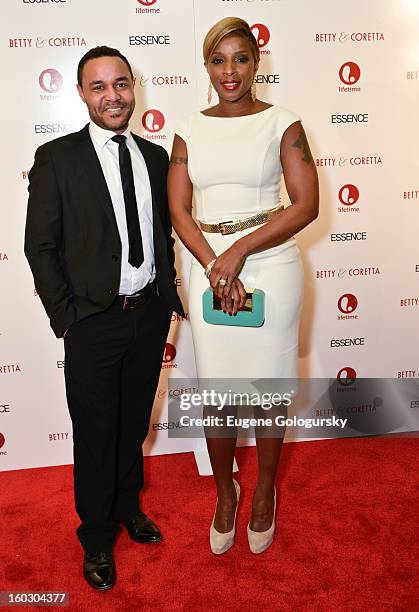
(102, 51)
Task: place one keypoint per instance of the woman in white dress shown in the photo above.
(229, 159)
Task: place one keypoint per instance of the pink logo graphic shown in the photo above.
(348, 195)
(147, 2)
(261, 33)
(2, 440)
(153, 120)
(349, 73)
(346, 376)
(50, 80)
(347, 303)
(169, 353)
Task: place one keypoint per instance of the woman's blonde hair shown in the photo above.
(226, 26)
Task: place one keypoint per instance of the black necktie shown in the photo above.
(136, 254)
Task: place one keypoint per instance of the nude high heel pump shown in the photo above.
(221, 542)
(259, 541)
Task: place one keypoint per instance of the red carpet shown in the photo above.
(346, 539)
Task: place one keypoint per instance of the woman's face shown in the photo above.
(232, 68)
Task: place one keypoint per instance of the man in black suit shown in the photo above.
(98, 241)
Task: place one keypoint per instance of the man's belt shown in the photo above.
(132, 302)
(230, 227)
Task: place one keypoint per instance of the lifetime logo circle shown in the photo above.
(349, 73)
(261, 33)
(348, 194)
(2, 440)
(169, 353)
(347, 303)
(346, 376)
(50, 80)
(153, 120)
(147, 2)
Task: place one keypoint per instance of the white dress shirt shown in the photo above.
(132, 279)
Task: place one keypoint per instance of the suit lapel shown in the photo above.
(91, 165)
(153, 173)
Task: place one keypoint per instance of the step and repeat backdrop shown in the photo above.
(350, 70)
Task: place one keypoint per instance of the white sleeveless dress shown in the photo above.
(234, 165)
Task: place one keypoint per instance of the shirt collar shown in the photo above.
(100, 136)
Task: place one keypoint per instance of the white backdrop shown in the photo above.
(350, 70)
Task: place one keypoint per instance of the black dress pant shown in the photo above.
(112, 367)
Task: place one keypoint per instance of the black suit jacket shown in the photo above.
(72, 241)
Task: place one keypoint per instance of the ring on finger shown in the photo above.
(222, 282)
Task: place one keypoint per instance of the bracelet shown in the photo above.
(208, 269)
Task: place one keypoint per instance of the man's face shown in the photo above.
(108, 91)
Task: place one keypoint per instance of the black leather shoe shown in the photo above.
(99, 570)
(142, 529)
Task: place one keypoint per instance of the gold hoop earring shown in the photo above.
(209, 93)
(253, 91)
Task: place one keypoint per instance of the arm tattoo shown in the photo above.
(177, 161)
(302, 144)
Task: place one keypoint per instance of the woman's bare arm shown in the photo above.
(179, 188)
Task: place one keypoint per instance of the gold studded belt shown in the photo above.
(230, 227)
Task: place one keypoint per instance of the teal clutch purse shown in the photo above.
(251, 315)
